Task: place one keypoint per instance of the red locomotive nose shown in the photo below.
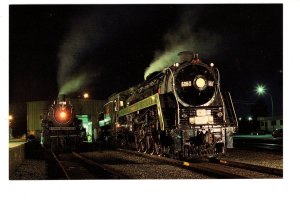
(62, 116)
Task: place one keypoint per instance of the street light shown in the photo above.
(86, 95)
(10, 118)
(261, 90)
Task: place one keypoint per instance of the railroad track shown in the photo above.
(76, 167)
(220, 168)
(262, 169)
(127, 164)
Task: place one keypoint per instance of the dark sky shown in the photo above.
(112, 45)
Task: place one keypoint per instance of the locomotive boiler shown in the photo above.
(178, 111)
(61, 129)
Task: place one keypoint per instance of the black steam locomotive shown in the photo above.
(178, 111)
(61, 129)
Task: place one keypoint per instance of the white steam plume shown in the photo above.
(84, 35)
(74, 83)
(183, 38)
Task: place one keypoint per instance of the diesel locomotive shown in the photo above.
(179, 111)
(61, 129)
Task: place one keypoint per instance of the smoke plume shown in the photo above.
(83, 36)
(73, 84)
(186, 37)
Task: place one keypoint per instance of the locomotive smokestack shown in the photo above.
(185, 56)
(61, 97)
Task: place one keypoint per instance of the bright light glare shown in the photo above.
(200, 82)
(86, 95)
(260, 89)
(10, 117)
(62, 114)
(212, 64)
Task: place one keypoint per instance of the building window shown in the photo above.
(281, 122)
(273, 123)
(262, 123)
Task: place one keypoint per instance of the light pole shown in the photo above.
(10, 118)
(261, 90)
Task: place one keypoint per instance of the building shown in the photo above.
(86, 109)
(270, 123)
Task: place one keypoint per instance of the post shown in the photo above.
(271, 103)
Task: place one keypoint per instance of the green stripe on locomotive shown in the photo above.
(145, 103)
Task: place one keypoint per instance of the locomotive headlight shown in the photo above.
(200, 83)
(62, 114)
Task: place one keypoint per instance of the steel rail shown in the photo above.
(60, 165)
(189, 166)
(102, 166)
(257, 168)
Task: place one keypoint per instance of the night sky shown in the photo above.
(109, 47)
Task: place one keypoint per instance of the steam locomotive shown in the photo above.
(61, 129)
(179, 111)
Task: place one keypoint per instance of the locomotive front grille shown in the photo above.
(62, 128)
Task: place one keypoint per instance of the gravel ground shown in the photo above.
(238, 171)
(30, 170)
(261, 158)
(144, 168)
(141, 168)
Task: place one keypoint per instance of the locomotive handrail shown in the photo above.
(224, 110)
(236, 123)
(176, 97)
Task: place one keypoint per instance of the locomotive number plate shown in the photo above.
(62, 128)
(186, 83)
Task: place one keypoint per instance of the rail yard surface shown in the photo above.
(125, 164)
(133, 166)
(256, 157)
